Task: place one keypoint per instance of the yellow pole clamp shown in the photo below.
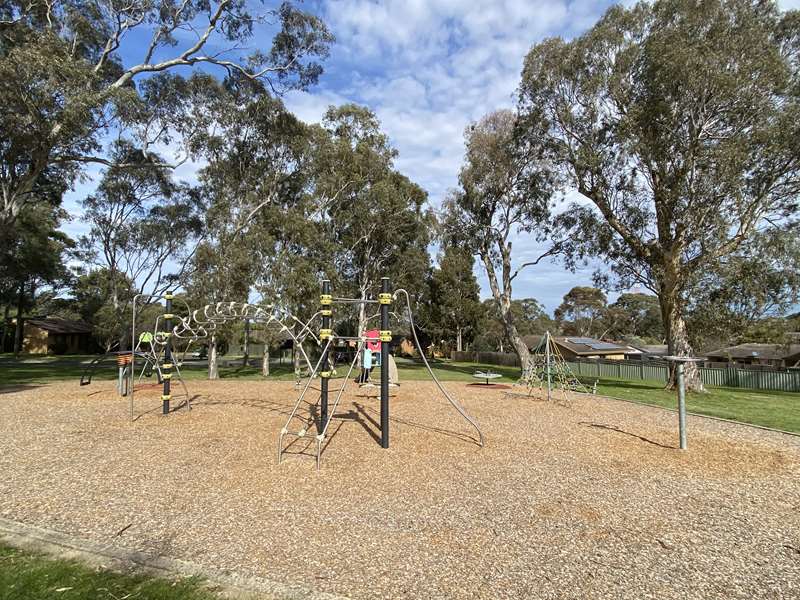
(325, 374)
(166, 396)
(169, 316)
(325, 299)
(384, 298)
(166, 366)
(168, 296)
(326, 312)
(386, 335)
(166, 376)
(325, 334)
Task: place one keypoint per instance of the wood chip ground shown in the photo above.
(590, 500)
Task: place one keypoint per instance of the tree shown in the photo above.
(582, 311)
(374, 218)
(635, 315)
(259, 179)
(102, 298)
(68, 80)
(529, 315)
(453, 300)
(746, 296)
(678, 122)
(143, 230)
(504, 193)
(32, 259)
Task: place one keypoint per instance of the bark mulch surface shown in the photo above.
(589, 500)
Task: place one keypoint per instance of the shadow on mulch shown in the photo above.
(622, 431)
(21, 387)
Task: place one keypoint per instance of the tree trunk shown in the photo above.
(265, 361)
(6, 311)
(516, 339)
(458, 340)
(18, 337)
(362, 310)
(503, 299)
(246, 345)
(213, 372)
(678, 340)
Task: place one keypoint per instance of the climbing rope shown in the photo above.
(450, 399)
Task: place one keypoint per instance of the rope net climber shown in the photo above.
(548, 370)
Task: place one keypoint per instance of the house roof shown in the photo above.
(654, 349)
(762, 351)
(59, 325)
(581, 346)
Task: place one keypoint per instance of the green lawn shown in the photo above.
(28, 576)
(780, 410)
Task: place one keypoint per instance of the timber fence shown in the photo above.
(645, 370)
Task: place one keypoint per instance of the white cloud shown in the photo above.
(429, 68)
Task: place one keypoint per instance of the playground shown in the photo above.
(589, 499)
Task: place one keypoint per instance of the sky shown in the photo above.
(428, 68)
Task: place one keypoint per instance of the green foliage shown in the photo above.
(678, 121)
(454, 308)
(374, 221)
(745, 297)
(582, 311)
(529, 317)
(634, 316)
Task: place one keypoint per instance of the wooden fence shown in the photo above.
(784, 381)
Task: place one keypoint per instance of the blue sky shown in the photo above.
(428, 68)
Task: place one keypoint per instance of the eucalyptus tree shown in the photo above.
(454, 307)
(33, 259)
(677, 121)
(635, 315)
(582, 312)
(256, 181)
(746, 297)
(74, 71)
(374, 218)
(504, 196)
(143, 229)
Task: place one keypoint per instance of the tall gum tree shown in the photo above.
(73, 71)
(504, 192)
(678, 122)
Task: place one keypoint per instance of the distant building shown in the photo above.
(583, 347)
(649, 352)
(772, 355)
(54, 335)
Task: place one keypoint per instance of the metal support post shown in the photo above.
(326, 310)
(385, 300)
(167, 367)
(547, 363)
(681, 404)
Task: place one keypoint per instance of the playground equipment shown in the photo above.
(680, 363)
(323, 368)
(157, 349)
(547, 369)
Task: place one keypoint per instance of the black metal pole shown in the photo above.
(167, 367)
(385, 300)
(326, 310)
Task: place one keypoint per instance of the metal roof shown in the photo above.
(59, 325)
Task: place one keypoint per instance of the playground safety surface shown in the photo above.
(590, 500)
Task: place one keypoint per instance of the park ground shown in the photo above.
(588, 498)
(778, 410)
